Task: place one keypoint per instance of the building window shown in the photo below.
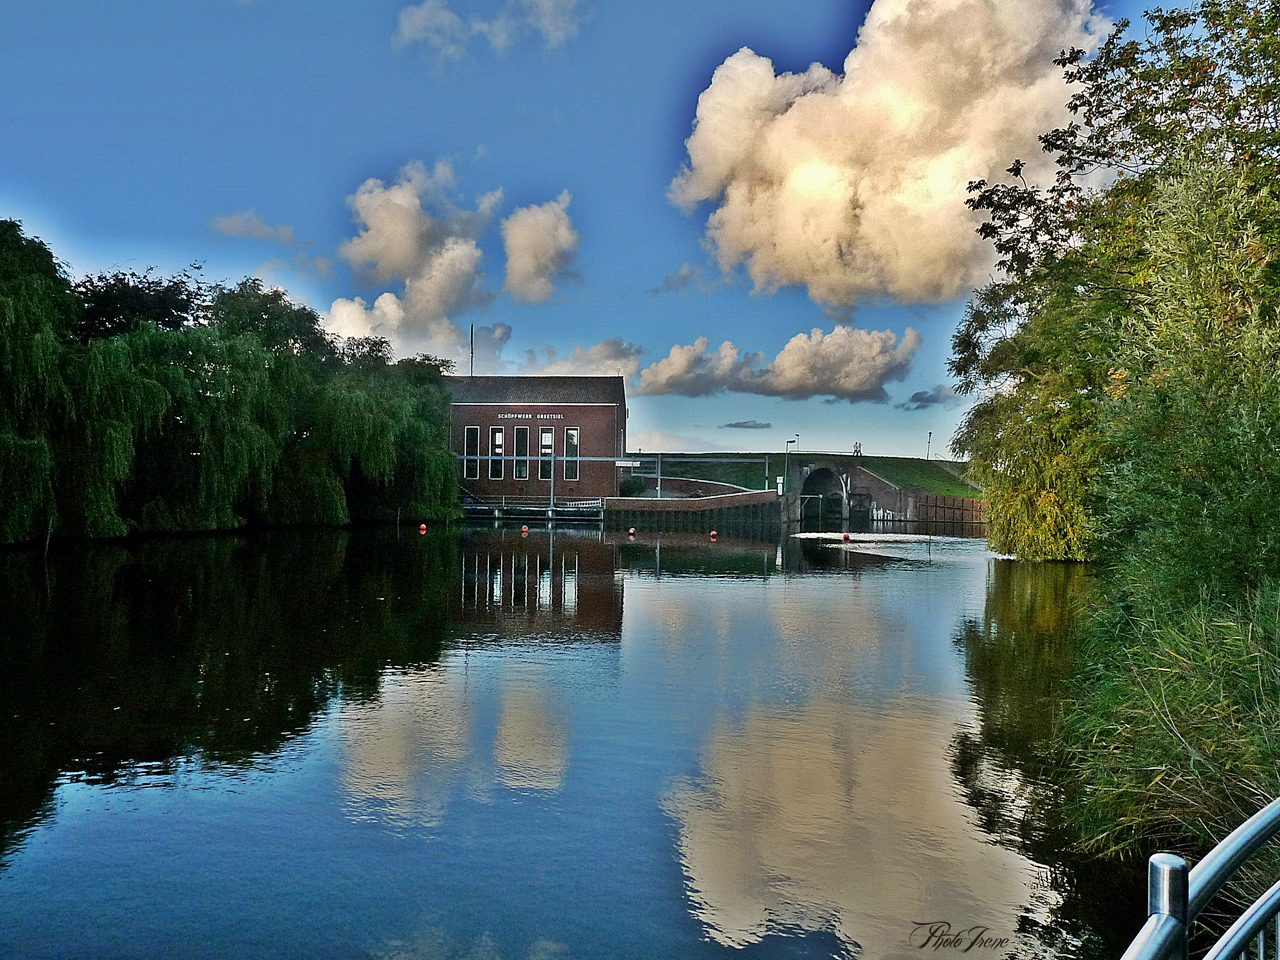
(521, 468)
(471, 450)
(495, 453)
(546, 448)
(571, 453)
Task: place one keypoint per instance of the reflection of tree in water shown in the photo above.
(219, 648)
(1017, 659)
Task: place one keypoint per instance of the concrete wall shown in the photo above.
(755, 513)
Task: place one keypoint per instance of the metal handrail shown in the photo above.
(1249, 928)
(1222, 861)
(1176, 896)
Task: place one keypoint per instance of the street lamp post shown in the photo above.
(928, 445)
(786, 463)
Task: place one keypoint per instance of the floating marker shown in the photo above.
(631, 532)
(422, 528)
(713, 534)
(524, 529)
(846, 538)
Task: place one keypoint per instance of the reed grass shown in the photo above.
(1174, 726)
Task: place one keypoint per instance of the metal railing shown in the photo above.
(1176, 896)
(505, 501)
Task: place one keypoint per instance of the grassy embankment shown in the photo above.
(927, 475)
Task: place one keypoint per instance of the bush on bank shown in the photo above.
(133, 403)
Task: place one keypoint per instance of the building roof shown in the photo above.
(537, 389)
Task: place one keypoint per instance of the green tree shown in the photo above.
(36, 310)
(1190, 504)
(131, 402)
(1040, 345)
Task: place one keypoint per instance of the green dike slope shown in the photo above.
(928, 475)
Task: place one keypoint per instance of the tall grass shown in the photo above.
(1175, 727)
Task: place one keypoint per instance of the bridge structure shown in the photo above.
(817, 492)
(823, 492)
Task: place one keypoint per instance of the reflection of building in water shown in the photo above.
(543, 584)
(826, 817)
(428, 732)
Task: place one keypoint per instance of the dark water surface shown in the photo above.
(474, 745)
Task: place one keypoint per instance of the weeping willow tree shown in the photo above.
(135, 403)
(36, 307)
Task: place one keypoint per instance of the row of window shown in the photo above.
(520, 456)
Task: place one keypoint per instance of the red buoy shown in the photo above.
(846, 538)
(524, 529)
(631, 532)
(422, 528)
(713, 534)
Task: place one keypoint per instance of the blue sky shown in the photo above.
(348, 151)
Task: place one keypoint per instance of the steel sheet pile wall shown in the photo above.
(757, 512)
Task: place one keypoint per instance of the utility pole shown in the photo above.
(928, 445)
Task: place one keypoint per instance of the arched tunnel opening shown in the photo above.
(822, 504)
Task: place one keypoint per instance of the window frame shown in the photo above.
(546, 452)
(471, 453)
(520, 465)
(497, 443)
(577, 453)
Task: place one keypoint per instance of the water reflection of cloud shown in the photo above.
(530, 748)
(828, 817)
(402, 751)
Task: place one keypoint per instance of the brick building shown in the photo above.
(513, 433)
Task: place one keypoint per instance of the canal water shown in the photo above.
(379, 744)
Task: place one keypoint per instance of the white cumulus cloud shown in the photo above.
(412, 236)
(410, 232)
(853, 184)
(540, 242)
(845, 364)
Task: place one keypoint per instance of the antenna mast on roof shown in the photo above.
(473, 350)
